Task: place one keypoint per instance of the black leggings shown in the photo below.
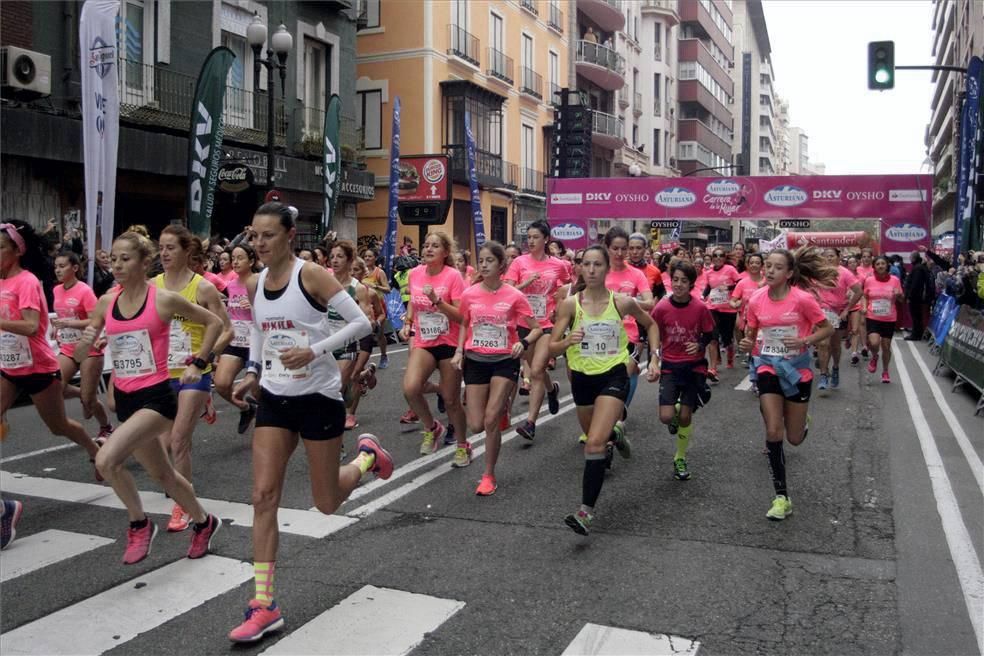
(724, 323)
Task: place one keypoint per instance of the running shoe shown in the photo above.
(864, 352)
(621, 441)
(12, 511)
(553, 403)
(350, 422)
(873, 364)
(384, 362)
(527, 430)
(409, 417)
(579, 522)
(209, 415)
(179, 520)
(201, 538)
(259, 621)
(755, 389)
(781, 508)
(432, 439)
(138, 542)
(440, 405)
(462, 456)
(835, 378)
(449, 437)
(855, 359)
(823, 384)
(104, 433)
(583, 439)
(886, 378)
(552, 364)
(731, 357)
(247, 416)
(712, 377)
(504, 422)
(487, 486)
(680, 471)
(524, 387)
(383, 466)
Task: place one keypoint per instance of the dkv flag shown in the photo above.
(476, 198)
(205, 139)
(100, 120)
(330, 163)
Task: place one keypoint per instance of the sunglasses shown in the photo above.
(717, 255)
(577, 260)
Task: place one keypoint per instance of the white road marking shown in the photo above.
(958, 540)
(608, 641)
(389, 351)
(959, 434)
(745, 384)
(402, 621)
(135, 607)
(39, 452)
(298, 522)
(45, 548)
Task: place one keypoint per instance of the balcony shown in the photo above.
(601, 65)
(531, 181)
(696, 130)
(665, 8)
(555, 94)
(556, 18)
(530, 6)
(152, 95)
(623, 96)
(500, 66)
(463, 45)
(606, 130)
(490, 168)
(637, 104)
(606, 14)
(532, 83)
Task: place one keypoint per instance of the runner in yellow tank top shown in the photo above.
(186, 336)
(589, 329)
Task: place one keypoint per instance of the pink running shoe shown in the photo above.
(350, 422)
(260, 620)
(201, 540)
(487, 486)
(104, 434)
(409, 417)
(179, 520)
(383, 467)
(886, 378)
(138, 542)
(873, 364)
(209, 415)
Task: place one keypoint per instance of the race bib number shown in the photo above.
(15, 351)
(538, 303)
(832, 317)
(881, 307)
(718, 296)
(490, 336)
(772, 340)
(179, 347)
(241, 329)
(277, 342)
(600, 339)
(68, 335)
(432, 325)
(132, 354)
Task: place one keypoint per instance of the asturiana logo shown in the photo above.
(723, 188)
(676, 197)
(566, 231)
(786, 196)
(906, 232)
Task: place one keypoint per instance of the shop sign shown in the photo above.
(235, 178)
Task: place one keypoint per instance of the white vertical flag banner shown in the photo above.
(100, 119)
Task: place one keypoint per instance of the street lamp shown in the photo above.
(280, 44)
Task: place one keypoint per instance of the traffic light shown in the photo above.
(881, 65)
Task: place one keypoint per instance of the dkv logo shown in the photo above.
(676, 197)
(906, 232)
(723, 188)
(567, 231)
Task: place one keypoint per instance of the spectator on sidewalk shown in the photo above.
(919, 288)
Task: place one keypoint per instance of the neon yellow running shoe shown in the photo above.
(583, 439)
(781, 508)
(462, 456)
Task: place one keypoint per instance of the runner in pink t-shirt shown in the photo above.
(882, 292)
(73, 302)
(789, 320)
(752, 281)
(835, 301)
(720, 281)
(489, 352)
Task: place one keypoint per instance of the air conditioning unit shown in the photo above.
(25, 74)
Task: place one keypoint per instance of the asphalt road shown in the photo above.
(873, 561)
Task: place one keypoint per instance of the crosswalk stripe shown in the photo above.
(295, 521)
(600, 640)
(45, 548)
(348, 628)
(744, 385)
(129, 609)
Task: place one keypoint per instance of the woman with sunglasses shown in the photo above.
(836, 301)
(721, 281)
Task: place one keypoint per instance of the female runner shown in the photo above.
(375, 279)
(300, 394)
(721, 281)
(751, 282)
(882, 291)
(136, 317)
(790, 321)
(179, 250)
(836, 302)
(240, 313)
(364, 376)
(597, 349)
(433, 315)
(73, 301)
(226, 271)
(488, 351)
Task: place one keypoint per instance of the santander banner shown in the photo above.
(901, 203)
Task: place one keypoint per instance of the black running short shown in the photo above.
(883, 328)
(347, 352)
(32, 384)
(477, 372)
(684, 383)
(161, 398)
(586, 388)
(440, 352)
(724, 327)
(367, 343)
(523, 332)
(769, 384)
(241, 352)
(312, 416)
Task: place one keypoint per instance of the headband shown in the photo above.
(15, 237)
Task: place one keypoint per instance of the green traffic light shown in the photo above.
(882, 76)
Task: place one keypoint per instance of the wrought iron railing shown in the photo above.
(531, 181)
(556, 18)
(487, 165)
(590, 52)
(532, 83)
(530, 6)
(500, 65)
(463, 44)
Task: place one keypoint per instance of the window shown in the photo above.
(371, 8)
(236, 103)
(554, 76)
(459, 14)
(316, 57)
(656, 152)
(528, 51)
(658, 42)
(135, 33)
(657, 84)
(369, 117)
(496, 31)
(635, 135)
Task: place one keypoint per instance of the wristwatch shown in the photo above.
(198, 362)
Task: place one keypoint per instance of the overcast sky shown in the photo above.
(820, 60)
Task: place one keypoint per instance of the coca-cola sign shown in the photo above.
(235, 178)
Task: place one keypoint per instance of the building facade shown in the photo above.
(159, 59)
(502, 62)
(755, 141)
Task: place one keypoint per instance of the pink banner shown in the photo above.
(902, 204)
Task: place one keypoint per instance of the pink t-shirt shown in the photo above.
(631, 282)
(240, 313)
(74, 303)
(554, 274)
(21, 355)
(491, 318)
(726, 276)
(228, 275)
(678, 326)
(745, 288)
(835, 298)
(864, 272)
(699, 286)
(880, 298)
(793, 316)
(219, 282)
(431, 326)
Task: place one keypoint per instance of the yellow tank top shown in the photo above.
(605, 344)
(186, 336)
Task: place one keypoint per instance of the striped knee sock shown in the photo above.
(263, 577)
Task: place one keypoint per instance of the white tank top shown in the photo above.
(291, 320)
